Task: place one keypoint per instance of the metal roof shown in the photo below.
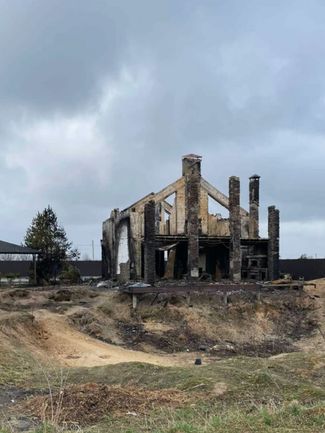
(8, 248)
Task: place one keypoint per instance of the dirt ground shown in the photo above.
(173, 325)
(81, 329)
(75, 349)
(316, 341)
(78, 326)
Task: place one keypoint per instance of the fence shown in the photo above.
(87, 268)
(308, 269)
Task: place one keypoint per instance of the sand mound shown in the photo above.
(316, 290)
(50, 337)
(62, 343)
(88, 403)
(21, 327)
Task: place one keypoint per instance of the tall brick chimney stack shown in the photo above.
(192, 174)
(254, 202)
(191, 164)
(235, 228)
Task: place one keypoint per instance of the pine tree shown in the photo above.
(47, 236)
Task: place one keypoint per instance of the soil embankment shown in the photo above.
(81, 327)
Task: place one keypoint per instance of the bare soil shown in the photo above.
(244, 327)
(316, 341)
(78, 326)
(73, 348)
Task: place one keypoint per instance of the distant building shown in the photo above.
(13, 251)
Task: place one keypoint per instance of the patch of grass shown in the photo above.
(16, 366)
(208, 418)
(19, 369)
(215, 419)
(279, 394)
(260, 395)
(245, 377)
(48, 428)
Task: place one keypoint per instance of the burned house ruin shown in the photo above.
(172, 234)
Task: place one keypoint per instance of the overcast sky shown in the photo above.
(99, 100)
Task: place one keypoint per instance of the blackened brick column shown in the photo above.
(112, 243)
(254, 202)
(149, 242)
(192, 173)
(235, 228)
(104, 261)
(274, 242)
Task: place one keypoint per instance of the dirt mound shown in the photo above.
(88, 403)
(19, 293)
(316, 290)
(63, 295)
(263, 349)
(247, 326)
(50, 337)
(74, 294)
(22, 330)
(96, 324)
(72, 348)
(165, 331)
(12, 294)
(19, 325)
(52, 298)
(11, 320)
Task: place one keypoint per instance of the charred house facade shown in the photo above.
(173, 234)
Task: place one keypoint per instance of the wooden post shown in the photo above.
(34, 269)
(149, 242)
(134, 301)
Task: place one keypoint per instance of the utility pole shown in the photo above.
(93, 248)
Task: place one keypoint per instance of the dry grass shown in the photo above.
(116, 306)
(89, 403)
(279, 394)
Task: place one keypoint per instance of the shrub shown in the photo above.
(70, 274)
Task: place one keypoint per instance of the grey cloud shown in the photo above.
(243, 85)
(54, 53)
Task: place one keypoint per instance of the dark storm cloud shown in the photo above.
(99, 100)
